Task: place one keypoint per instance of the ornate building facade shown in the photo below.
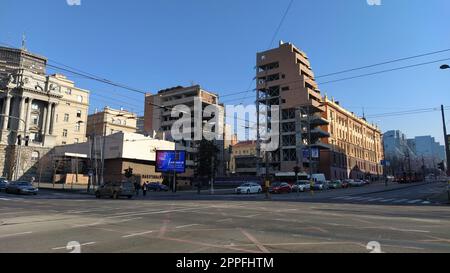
(38, 112)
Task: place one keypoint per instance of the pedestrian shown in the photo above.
(32, 180)
(136, 187)
(144, 189)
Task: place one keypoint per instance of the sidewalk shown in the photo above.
(75, 188)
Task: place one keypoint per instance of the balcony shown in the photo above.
(319, 133)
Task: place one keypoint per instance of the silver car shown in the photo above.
(302, 185)
(21, 187)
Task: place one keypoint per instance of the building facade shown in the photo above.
(39, 111)
(356, 145)
(158, 121)
(243, 158)
(316, 134)
(111, 121)
(285, 79)
(122, 151)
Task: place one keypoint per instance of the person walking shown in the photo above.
(136, 188)
(144, 189)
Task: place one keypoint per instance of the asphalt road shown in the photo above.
(185, 222)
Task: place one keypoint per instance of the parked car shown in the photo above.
(356, 183)
(280, 187)
(21, 187)
(116, 190)
(248, 188)
(301, 185)
(3, 184)
(336, 184)
(320, 186)
(157, 187)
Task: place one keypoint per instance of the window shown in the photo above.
(35, 119)
(35, 156)
(79, 114)
(63, 143)
(80, 98)
(64, 133)
(66, 117)
(78, 127)
(77, 140)
(69, 91)
(35, 106)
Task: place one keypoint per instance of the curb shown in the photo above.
(396, 189)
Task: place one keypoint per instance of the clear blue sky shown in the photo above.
(157, 44)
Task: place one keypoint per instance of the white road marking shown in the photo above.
(401, 201)
(138, 234)
(15, 234)
(375, 199)
(225, 220)
(387, 200)
(185, 226)
(414, 201)
(5, 199)
(65, 247)
(426, 202)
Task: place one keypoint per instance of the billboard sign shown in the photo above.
(171, 161)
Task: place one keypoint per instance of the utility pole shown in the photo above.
(212, 174)
(446, 139)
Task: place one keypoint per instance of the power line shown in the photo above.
(361, 76)
(404, 113)
(383, 63)
(281, 23)
(385, 71)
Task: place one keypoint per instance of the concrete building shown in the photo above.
(356, 145)
(111, 121)
(140, 125)
(243, 158)
(122, 150)
(428, 147)
(285, 79)
(49, 109)
(396, 144)
(158, 120)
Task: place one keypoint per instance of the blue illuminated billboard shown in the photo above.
(171, 161)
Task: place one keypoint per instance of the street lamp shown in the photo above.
(446, 138)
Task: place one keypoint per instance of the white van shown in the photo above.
(319, 177)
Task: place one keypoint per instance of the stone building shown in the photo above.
(38, 112)
(111, 121)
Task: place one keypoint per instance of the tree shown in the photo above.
(207, 160)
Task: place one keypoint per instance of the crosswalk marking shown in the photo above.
(383, 200)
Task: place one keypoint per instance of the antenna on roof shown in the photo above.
(24, 41)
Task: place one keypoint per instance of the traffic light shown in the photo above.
(129, 173)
